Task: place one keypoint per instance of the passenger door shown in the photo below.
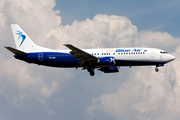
(40, 56)
(152, 54)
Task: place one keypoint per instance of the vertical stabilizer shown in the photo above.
(22, 40)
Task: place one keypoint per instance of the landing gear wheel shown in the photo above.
(156, 69)
(92, 73)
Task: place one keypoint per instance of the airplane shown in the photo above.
(107, 60)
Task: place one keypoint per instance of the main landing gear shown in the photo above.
(91, 71)
(156, 69)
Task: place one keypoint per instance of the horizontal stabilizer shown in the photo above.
(15, 51)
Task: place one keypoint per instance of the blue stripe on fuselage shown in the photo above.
(54, 59)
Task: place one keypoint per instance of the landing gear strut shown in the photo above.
(91, 71)
(156, 69)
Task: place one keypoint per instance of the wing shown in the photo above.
(81, 55)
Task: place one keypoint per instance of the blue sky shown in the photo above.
(161, 15)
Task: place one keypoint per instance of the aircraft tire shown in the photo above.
(92, 73)
(156, 69)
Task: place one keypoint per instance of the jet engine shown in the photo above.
(107, 61)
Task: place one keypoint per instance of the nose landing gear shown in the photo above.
(158, 65)
(156, 69)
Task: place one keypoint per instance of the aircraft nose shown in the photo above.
(172, 57)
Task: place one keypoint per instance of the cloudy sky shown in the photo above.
(29, 91)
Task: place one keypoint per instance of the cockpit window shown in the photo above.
(163, 52)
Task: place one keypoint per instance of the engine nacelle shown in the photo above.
(107, 61)
(110, 69)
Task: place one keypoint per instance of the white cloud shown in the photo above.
(103, 31)
(158, 40)
(146, 94)
(36, 18)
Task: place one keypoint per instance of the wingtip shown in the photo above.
(67, 44)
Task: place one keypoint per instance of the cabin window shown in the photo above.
(97, 53)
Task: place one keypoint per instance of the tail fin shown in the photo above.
(22, 40)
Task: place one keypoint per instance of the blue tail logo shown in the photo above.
(22, 36)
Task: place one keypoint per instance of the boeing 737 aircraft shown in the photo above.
(106, 60)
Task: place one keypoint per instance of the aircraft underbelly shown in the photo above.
(135, 63)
